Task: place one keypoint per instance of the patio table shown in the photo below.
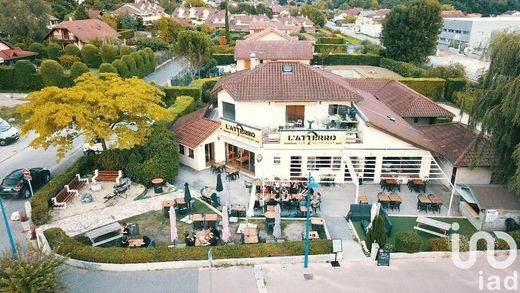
(424, 199)
(383, 198)
(200, 239)
(250, 235)
(362, 198)
(270, 214)
(394, 198)
(435, 200)
(133, 243)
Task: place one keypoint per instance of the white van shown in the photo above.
(8, 133)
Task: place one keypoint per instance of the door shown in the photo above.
(247, 63)
(209, 150)
(295, 114)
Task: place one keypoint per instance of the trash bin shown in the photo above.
(157, 185)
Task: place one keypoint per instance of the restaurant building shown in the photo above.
(286, 119)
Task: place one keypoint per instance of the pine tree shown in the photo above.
(376, 233)
(226, 26)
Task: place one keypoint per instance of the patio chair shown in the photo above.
(215, 200)
(152, 244)
(435, 208)
(422, 207)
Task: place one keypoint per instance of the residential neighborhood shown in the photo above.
(255, 146)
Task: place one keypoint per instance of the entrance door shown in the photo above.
(210, 153)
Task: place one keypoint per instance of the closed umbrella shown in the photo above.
(219, 187)
(187, 195)
(277, 231)
(228, 196)
(226, 234)
(173, 225)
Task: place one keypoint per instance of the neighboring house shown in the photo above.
(487, 207)
(463, 157)
(279, 10)
(9, 54)
(349, 12)
(299, 22)
(192, 15)
(242, 22)
(249, 54)
(370, 22)
(474, 32)
(148, 11)
(272, 33)
(94, 13)
(53, 21)
(80, 32)
(215, 20)
(452, 13)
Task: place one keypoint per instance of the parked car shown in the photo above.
(14, 186)
(8, 133)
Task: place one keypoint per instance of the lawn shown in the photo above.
(7, 113)
(406, 224)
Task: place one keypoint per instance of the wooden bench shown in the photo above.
(444, 227)
(68, 192)
(103, 230)
(107, 175)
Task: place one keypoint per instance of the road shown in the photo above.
(350, 32)
(164, 74)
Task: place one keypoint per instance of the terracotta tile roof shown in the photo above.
(87, 29)
(267, 82)
(140, 7)
(495, 197)
(380, 116)
(276, 9)
(452, 13)
(14, 53)
(274, 50)
(94, 13)
(192, 129)
(352, 11)
(401, 99)
(260, 34)
(459, 145)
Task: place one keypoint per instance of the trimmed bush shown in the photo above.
(130, 62)
(6, 77)
(182, 106)
(54, 51)
(77, 69)
(439, 244)
(346, 59)
(464, 101)
(38, 48)
(125, 50)
(107, 67)
(127, 34)
(206, 85)
(68, 60)
(108, 53)
(454, 85)
(330, 48)
(51, 72)
(141, 70)
(151, 56)
(90, 56)
(376, 233)
(175, 91)
(72, 49)
(64, 245)
(23, 72)
(331, 41)
(433, 88)
(403, 68)
(122, 68)
(516, 237)
(41, 201)
(224, 59)
(408, 242)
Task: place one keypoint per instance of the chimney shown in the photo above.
(254, 60)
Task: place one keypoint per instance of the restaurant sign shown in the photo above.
(241, 130)
(313, 137)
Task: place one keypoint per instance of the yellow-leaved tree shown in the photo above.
(99, 108)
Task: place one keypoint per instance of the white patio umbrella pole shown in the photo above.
(357, 192)
(452, 193)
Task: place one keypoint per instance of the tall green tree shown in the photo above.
(410, 32)
(24, 21)
(313, 14)
(376, 234)
(81, 13)
(497, 106)
(61, 8)
(226, 25)
(196, 47)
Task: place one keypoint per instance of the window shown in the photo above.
(415, 119)
(228, 110)
(444, 30)
(458, 31)
(335, 109)
(276, 160)
(450, 31)
(465, 32)
(336, 163)
(181, 149)
(402, 165)
(315, 163)
(191, 153)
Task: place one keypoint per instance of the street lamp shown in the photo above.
(8, 229)
(313, 185)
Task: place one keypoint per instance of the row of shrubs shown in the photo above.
(318, 48)
(330, 40)
(198, 89)
(67, 246)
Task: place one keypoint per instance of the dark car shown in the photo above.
(14, 185)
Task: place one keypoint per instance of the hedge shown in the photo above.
(433, 88)
(453, 85)
(329, 47)
(205, 85)
(67, 246)
(7, 80)
(175, 91)
(331, 41)
(182, 106)
(224, 59)
(51, 72)
(403, 68)
(347, 59)
(408, 242)
(23, 73)
(41, 201)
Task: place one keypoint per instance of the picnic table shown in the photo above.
(200, 238)
(237, 210)
(133, 243)
(104, 230)
(362, 198)
(317, 223)
(270, 214)
(425, 221)
(250, 235)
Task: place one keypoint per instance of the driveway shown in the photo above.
(473, 67)
(350, 32)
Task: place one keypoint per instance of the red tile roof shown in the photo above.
(260, 34)
(495, 197)
(459, 145)
(87, 29)
(401, 99)
(452, 13)
(274, 50)
(14, 53)
(192, 129)
(267, 82)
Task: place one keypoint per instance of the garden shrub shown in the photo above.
(331, 41)
(171, 93)
(403, 68)
(130, 62)
(501, 244)
(41, 201)
(464, 100)
(72, 248)
(376, 233)
(68, 60)
(449, 71)
(154, 43)
(141, 70)
(108, 53)
(408, 242)
(90, 56)
(23, 72)
(330, 48)
(38, 48)
(182, 105)
(206, 85)
(433, 88)
(72, 49)
(445, 243)
(151, 56)
(516, 237)
(21, 46)
(454, 85)
(54, 51)
(224, 59)
(51, 72)
(122, 68)
(6, 77)
(125, 50)
(127, 33)
(77, 69)
(346, 59)
(107, 67)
